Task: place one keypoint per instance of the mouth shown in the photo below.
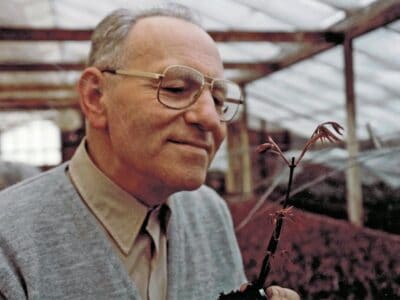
(194, 144)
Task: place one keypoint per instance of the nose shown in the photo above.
(203, 112)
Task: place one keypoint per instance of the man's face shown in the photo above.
(158, 150)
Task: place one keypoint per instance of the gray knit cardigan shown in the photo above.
(51, 247)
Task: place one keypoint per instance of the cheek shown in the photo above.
(137, 132)
(123, 129)
(119, 123)
(220, 135)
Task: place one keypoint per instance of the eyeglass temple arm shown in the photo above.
(237, 101)
(112, 71)
(134, 73)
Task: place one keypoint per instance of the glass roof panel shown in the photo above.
(388, 79)
(213, 24)
(301, 126)
(26, 94)
(323, 74)
(393, 106)
(55, 77)
(44, 52)
(248, 52)
(395, 26)
(29, 52)
(229, 12)
(286, 100)
(379, 118)
(311, 87)
(302, 14)
(382, 45)
(74, 51)
(333, 57)
(336, 114)
(348, 4)
(265, 110)
(370, 92)
(26, 13)
(307, 100)
(79, 14)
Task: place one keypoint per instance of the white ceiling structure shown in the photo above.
(296, 97)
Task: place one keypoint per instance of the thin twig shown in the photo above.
(321, 133)
(274, 240)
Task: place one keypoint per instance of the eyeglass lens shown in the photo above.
(181, 86)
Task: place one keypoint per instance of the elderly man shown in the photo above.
(128, 217)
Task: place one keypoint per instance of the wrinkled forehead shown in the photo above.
(156, 42)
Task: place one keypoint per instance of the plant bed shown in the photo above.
(320, 257)
(381, 203)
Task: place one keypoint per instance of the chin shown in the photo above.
(189, 182)
(192, 186)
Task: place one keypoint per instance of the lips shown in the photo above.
(193, 143)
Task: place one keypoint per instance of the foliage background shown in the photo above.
(321, 257)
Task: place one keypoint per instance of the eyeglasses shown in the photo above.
(181, 86)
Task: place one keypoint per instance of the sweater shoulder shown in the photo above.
(28, 198)
(30, 187)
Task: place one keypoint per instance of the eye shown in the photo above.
(174, 86)
(219, 97)
(174, 90)
(219, 94)
(219, 101)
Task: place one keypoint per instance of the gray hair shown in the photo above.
(107, 46)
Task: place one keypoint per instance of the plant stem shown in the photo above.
(289, 188)
(274, 240)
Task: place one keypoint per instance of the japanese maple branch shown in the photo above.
(322, 133)
(273, 242)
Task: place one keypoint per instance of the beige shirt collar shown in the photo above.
(121, 214)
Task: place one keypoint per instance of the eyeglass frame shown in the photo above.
(160, 76)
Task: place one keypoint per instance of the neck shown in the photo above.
(149, 193)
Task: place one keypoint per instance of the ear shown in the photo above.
(90, 87)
